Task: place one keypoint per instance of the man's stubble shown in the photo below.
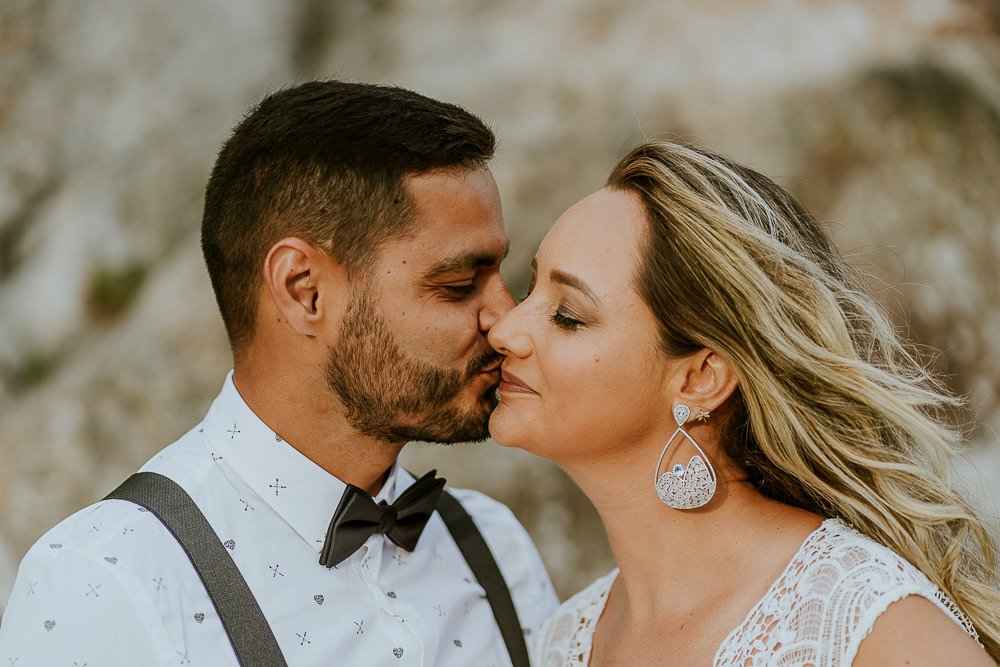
(387, 394)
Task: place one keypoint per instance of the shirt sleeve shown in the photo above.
(68, 608)
(519, 561)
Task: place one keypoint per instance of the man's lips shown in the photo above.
(510, 383)
(492, 367)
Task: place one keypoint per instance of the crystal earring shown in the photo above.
(685, 487)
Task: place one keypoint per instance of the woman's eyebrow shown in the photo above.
(568, 279)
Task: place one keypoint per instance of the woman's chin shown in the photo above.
(501, 436)
(504, 427)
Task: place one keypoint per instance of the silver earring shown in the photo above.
(685, 487)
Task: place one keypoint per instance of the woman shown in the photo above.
(798, 514)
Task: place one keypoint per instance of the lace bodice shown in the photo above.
(816, 612)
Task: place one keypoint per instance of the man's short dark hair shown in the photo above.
(325, 161)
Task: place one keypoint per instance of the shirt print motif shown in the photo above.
(110, 585)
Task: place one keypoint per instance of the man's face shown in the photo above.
(411, 360)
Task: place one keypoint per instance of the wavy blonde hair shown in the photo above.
(834, 413)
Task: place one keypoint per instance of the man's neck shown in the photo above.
(307, 417)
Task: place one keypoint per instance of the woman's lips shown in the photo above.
(510, 383)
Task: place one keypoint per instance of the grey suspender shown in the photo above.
(251, 636)
(480, 559)
(248, 630)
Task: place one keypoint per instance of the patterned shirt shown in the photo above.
(111, 586)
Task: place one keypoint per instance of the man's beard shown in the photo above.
(389, 395)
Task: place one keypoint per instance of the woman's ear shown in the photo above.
(707, 380)
(303, 282)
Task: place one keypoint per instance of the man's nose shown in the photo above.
(497, 303)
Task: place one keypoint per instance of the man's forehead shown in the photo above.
(458, 223)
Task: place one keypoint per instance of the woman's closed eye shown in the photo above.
(565, 321)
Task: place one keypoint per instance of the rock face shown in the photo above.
(883, 117)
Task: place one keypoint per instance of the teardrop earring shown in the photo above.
(685, 487)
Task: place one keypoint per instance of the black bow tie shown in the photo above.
(358, 517)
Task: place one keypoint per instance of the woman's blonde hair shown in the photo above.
(833, 414)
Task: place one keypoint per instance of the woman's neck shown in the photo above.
(673, 560)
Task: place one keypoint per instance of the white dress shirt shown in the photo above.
(111, 586)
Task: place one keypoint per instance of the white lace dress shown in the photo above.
(817, 612)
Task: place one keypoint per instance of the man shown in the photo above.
(353, 235)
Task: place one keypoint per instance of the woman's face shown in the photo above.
(583, 375)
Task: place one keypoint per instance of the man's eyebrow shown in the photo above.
(568, 279)
(465, 261)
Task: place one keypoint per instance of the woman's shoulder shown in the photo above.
(570, 630)
(844, 563)
(836, 555)
(829, 597)
(869, 578)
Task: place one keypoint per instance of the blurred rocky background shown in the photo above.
(883, 116)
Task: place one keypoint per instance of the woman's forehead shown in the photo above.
(600, 232)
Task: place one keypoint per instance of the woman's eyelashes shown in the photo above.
(561, 316)
(565, 320)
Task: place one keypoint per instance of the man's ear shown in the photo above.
(707, 380)
(303, 282)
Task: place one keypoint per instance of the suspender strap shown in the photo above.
(477, 554)
(248, 630)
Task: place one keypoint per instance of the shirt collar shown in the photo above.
(304, 495)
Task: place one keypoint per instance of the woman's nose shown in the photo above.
(509, 336)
